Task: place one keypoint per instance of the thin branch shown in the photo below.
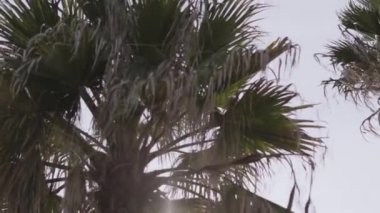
(191, 144)
(242, 161)
(55, 165)
(98, 143)
(96, 96)
(162, 171)
(57, 190)
(199, 184)
(89, 101)
(167, 147)
(54, 180)
(176, 148)
(70, 129)
(154, 139)
(187, 190)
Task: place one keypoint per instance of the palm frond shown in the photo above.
(94, 10)
(256, 121)
(355, 57)
(255, 128)
(362, 17)
(227, 24)
(247, 119)
(242, 64)
(62, 53)
(22, 178)
(155, 27)
(21, 20)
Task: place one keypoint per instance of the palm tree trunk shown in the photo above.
(122, 189)
(120, 192)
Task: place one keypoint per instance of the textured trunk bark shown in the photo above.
(121, 188)
(120, 191)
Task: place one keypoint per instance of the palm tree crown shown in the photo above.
(178, 121)
(356, 57)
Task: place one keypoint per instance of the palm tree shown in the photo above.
(356, 57)
(181, 122)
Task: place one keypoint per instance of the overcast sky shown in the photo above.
(348, 180)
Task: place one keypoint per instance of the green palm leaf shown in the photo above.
(355, 57)
(255, 125)
(362, 16)
(261, 116)
(227, 24)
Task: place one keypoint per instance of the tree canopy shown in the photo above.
(181, 119)
(355, 57)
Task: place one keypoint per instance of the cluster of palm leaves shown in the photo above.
(181, 122)
(356, 57)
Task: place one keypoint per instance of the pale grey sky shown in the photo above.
(347, 181)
